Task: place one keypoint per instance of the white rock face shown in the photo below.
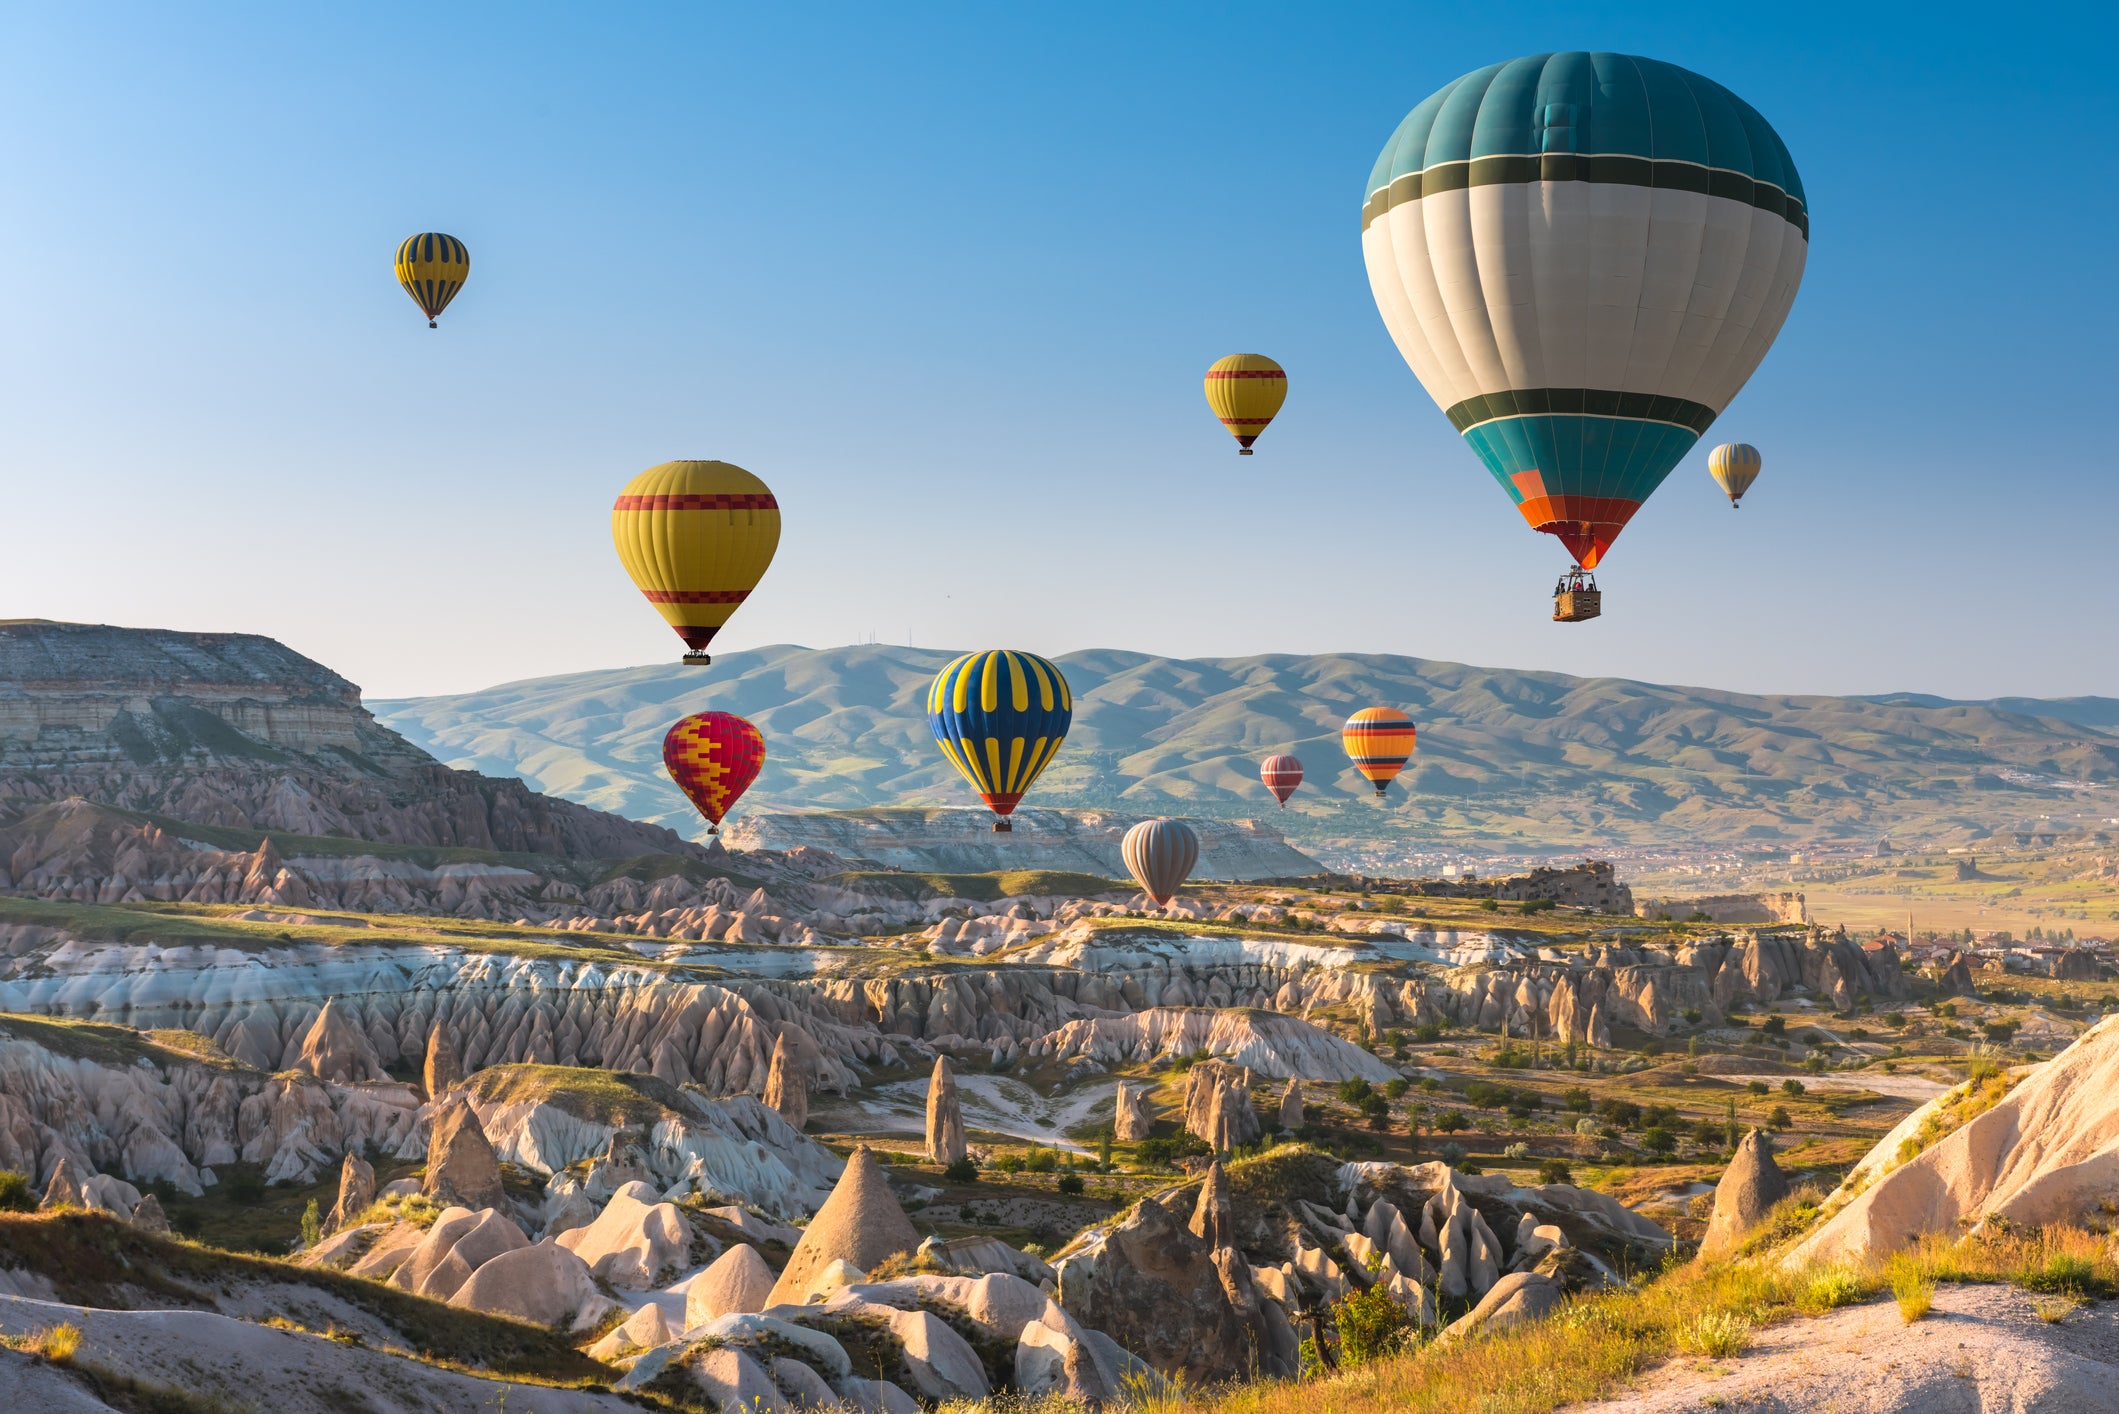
(545, 1285)
(1270, 1045)
(636, 1242)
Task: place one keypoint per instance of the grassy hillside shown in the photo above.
(1506, 758)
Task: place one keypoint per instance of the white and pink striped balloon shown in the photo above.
(1281, 775)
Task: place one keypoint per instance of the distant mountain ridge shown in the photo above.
(1507, 759)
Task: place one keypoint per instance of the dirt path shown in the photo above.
(1982, 1350)
(1904, 1087)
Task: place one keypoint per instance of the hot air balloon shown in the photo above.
(1000, 716)
(1379, 741)
(696, 537)
(1281, 775)
(713, 757)
(1583, 257)
(1160, 854)
(432, 267)
(1246, 391)
(1735, 465)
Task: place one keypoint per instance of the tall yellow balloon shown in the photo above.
(1734, 466)
(1246, 391)
(696, 537)
(432, 267)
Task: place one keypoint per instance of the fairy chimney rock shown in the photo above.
(860, 1224)
(461, 1168)
(945, 1118)
(337, 1051)
(1130, 1121)
(356, 1190)
(1750, 1187)
(785, 1089)
(64, 1190)
(1291, 1105)
(1214, 1219)
(444, 1067)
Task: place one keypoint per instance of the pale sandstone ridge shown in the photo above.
(2045, 1154)
(1218, 1105)
(945, 1115)
(785, 1089)
(1130, 1120)
(461, 1168)
(955, 841)
(860, 1224)
(1267, 1042)
(1750, 1186)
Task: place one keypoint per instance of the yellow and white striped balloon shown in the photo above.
(1735, 465)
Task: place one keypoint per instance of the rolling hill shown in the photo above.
(1508, 760)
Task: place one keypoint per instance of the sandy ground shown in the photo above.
(1904, 1087)
(268, 1369)
(1982, 1350)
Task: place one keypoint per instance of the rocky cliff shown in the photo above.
(235, 730)
(963, 842)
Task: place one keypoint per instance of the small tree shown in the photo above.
(1070, 1184)
(1371, 1325)
(964, 1170)
(1103, 1147)
(16, 1195)
(312, 1225)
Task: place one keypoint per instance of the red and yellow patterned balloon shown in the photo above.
(713, 757)
(1379, 741)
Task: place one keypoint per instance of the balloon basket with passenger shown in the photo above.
(1576, 598)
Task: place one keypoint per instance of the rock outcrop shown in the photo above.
(443, 1068)
(334, 1049)
(637, 1241)
(1268, 1043)
(785, 1089)
(356, 1190)
(1130, 1120)
(945, 1115)
(1291, 1105)
(545, 1285)
(1218, 1105)
(2041, 1155)
(735, 1283)
(461, 1168)
(64, 1188)
(1749, 1188)
(1213, 1218)
(860, 1224)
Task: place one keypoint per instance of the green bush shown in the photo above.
(1396, 1086)
(1758, 1087)
(1041, 1161)
(1658, 1140)
(1792, 1086)
(1354, 1091)
(1576, 1101)
(1428, 1031)
(964, 1170)
(1371, 1325)
(1070, 1184)
(1555, 1171)
(16, 1195)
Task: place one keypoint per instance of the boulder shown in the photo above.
(461, 1168)
(1214, 1219)
(1130, 1120)
(147, 1215)
(1053, 1362)
(342, 1248)
(838, 1274)
(1750, 1186)
(2043, 1155)
(732, 1380)
(878, 1397)
(636, 1242)
(802, 1387)
(545, 1285)
(107, 1193)
(763, 1335)
(860, 1224)
(737, 1281)
(936, 1361)
(457, 1245)
(444, 1067)
(1156, 1289)
(785, 1090)
(1291, 1104)
(945, 1115)
(356, 1190)
(998, 1304)
(64, 1190)
(390, 1250)
(1513, 1300)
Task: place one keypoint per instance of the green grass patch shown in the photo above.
(601, 1096)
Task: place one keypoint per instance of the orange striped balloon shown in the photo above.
(1379, 741)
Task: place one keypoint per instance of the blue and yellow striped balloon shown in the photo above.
(432, 267)
(1000, 716)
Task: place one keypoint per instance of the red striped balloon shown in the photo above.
(1379, 741)
(713, 757)
(1281, 775)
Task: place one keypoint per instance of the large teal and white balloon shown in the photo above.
(1583, 257)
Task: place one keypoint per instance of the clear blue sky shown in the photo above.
(947, 276)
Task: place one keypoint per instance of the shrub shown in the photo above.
(56, 1343)
(1517, 1150)
(1450, 1121)
(1041, 1161)
(1428, 1031)
(1914, 1292)
(964, 1170)
(1576, 1100)
(1070, 1184)
(1775, 1026)
(1156, 1153)
(1555, 1171)
(312, 1225)
(1490, 906)
(1830, 1289)
(16, 1196)
(1354, 1091)
(1658, 1140)
(1792, 1086)
(1894, 1019)
(1453, 1154)
(1537, 905)
(1371, 1325)
(1623, 1113)
(1758, 1087)
(1396, 1086)
(1780, 1118)
(1717, 1335)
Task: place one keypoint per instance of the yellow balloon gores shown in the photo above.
(1246, 391)
(696, 536)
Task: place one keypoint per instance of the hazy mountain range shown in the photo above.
(1507, 759)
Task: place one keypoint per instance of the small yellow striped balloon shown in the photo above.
(696, 537)
(1735, 465)
(1379, 741)
(1246, 391)
(432, 267)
